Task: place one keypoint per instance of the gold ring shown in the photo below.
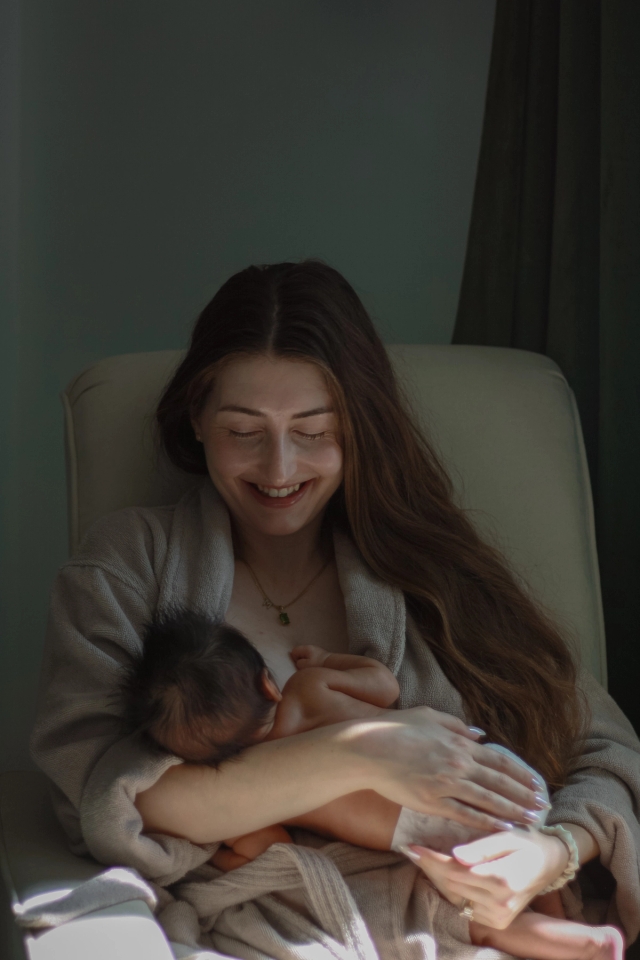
(467, 909)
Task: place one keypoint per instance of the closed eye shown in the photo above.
(254, 433)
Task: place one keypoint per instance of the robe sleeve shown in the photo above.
(602, 794)
(99, 605)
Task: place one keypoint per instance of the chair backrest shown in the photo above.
(504, 421)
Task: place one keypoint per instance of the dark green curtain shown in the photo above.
(553, 257)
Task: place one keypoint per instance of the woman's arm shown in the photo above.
(588, 847)
(418, 758)
(272, 782)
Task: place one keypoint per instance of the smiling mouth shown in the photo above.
(278, 495)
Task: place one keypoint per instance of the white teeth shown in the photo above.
(278, 492)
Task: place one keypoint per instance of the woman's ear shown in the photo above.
(196, 429)
(270, 687)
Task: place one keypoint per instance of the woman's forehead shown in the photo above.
(264, 385)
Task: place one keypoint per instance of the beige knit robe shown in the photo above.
(354, 903)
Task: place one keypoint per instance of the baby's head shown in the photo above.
(199, 689)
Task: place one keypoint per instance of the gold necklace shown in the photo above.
(267, 602)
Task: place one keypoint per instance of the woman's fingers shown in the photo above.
(508, 767)
(485, 888)
(454, 880)
(493, 902)
(488, 848)
(471, 793)
(470, 816)
(501, 782)
(500, 874)
(457, 726)
(429, 761)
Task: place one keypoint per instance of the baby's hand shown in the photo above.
(308, 656)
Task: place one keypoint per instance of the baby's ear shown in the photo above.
(270, 687)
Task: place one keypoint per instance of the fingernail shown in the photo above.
(532, 816)
(504, 825)
(542, 803)
(408, 852)
(538, 783)
(478, 731)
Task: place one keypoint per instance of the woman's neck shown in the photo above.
(285, 561)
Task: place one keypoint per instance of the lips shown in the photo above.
(278, 502)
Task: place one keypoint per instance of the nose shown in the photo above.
(280, 464)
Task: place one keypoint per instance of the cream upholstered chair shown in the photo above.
(506, 425)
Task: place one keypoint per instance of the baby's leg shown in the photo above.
(369, 820)
(364, 818)
(240, 850)
(536, 936)
(251, 845)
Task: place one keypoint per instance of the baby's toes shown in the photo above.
(613, 944)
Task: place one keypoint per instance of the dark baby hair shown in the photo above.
(196, 688)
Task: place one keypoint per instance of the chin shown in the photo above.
(280, 526)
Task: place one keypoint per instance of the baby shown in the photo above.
(201, 691)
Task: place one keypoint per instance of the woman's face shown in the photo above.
(271, 442)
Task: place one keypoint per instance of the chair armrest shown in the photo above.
(34, 854)
(35, 861)
(126, 932)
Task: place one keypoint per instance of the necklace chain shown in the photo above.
(282, 608)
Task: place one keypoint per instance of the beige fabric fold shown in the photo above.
(361, 905)
(140, 559)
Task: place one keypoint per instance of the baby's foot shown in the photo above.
(607, 943)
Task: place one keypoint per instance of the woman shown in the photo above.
(325, 518)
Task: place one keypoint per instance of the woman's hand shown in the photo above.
(499, 874)
(431, 762)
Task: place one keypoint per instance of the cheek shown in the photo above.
(227, 459)
(327, 461)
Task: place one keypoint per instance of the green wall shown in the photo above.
(152, 148)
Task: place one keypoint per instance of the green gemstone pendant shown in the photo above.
(284, 619)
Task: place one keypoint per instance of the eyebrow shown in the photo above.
(233, 408)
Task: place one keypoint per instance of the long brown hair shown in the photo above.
(503, 654)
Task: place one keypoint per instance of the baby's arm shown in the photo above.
(362, 678)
